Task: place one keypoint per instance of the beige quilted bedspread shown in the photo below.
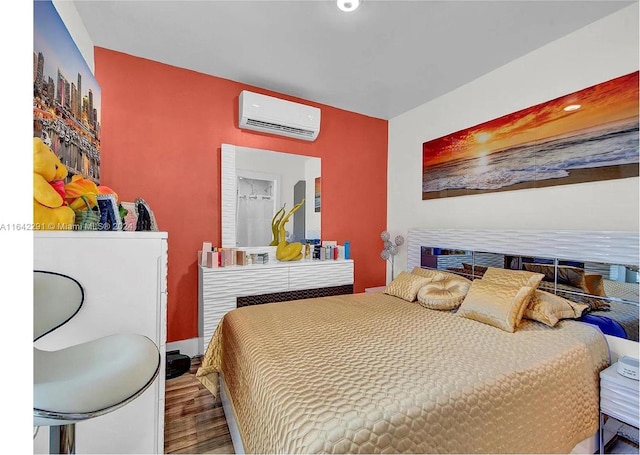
(370, 373)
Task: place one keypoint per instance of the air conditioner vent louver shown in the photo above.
(276, 116)
(277, 127)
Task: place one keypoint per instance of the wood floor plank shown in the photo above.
(194, 419)
(192, 424)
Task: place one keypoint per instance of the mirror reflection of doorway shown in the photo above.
(299, 228)
(256, 206)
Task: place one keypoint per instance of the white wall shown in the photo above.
(69, 15)
(597, 53)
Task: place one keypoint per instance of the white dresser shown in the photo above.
(124, 275)
(219, 289)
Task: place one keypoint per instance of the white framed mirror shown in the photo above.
(255, 184)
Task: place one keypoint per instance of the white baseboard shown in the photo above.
(190, 347)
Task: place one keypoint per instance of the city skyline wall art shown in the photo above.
(66, 95)
(585, 136)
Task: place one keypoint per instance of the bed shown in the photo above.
(368, 373)
(384, 372)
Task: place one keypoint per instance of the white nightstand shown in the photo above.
(619, 400)
(376, 289)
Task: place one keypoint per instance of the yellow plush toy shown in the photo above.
(49, 209)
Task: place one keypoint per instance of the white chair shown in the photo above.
(86, 380)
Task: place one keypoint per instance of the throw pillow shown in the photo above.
(446, 294)
(508, 277)
(549, 308)
(499, 305)
(406, 286)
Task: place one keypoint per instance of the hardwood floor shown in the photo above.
(193, 419)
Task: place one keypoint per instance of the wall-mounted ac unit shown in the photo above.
(272, 115)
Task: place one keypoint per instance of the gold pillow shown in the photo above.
(567, 274)
(445, 294)
(478, 270)
(434, 275)
(550, 308)
(495, 304)
(406, 286)
(594, 283)
(508, 277)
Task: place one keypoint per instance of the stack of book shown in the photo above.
(329, 250)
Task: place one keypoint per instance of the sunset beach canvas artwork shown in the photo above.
(585, 136)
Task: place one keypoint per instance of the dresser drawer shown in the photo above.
(320, 275)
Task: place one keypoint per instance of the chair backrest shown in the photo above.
(56, 299)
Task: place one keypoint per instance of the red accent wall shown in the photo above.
(161, 132)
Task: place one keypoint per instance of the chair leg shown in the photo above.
(62, 438)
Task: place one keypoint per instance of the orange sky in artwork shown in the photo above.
(608, 102)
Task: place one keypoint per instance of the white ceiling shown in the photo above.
(384, 59)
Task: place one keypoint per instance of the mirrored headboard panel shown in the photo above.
(572, 279)
(597, 269)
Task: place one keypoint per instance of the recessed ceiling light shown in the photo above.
(572, 107)
(348, 5)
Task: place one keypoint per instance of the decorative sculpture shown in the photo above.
(286, 251)
(275, 226)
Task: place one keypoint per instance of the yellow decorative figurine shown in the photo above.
(275, 226)
(286, 251)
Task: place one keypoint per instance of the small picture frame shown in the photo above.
(146, 220)
(110, 219)
(130, 220)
